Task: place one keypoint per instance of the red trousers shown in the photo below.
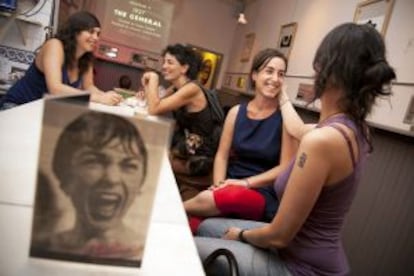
(235, 201)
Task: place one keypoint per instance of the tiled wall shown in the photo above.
(12, 59)
(17, 46)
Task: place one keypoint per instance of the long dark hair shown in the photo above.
(261, 59)
(76, 23)
(185, 55)
(352, 57)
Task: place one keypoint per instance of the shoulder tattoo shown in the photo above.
(302, 160)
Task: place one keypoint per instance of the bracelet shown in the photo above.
(247, 183)
(241, 237)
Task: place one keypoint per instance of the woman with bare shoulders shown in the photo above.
(187, 100)
(63, 65)
(254, 148)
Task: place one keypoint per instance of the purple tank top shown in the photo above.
(317, 247)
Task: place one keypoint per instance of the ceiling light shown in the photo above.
(242, 19)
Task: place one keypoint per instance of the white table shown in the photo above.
(170, 249)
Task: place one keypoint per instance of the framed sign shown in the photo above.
(286, 38)
(247, 47)
(210, 67)
(238, 82)
(306, 92)
(374, 12)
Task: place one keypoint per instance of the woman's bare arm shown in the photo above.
(50, 61)
(291, 119)
(222, 155)
(97, 95)
(156, 105)
(311, 170)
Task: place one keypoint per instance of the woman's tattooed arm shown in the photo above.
(302, 160)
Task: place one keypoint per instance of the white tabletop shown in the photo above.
(170, 248)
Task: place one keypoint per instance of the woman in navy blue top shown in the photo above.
(253, 149)
(63, 65)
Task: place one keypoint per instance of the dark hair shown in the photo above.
(76, 23)
(261, 59)
(185, 55)
(95, 130)
(352, 57)
(125, 82)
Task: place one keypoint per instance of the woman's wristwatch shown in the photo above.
(241, 237)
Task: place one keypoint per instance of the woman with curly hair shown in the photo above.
(194, 143)
(63, 65)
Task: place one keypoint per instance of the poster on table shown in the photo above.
(97, 177)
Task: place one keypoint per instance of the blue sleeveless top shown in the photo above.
(256, 144)
(317, 247)
(32, 86)
(255, 149)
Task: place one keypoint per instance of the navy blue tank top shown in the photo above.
(256, 144)
(32, 86)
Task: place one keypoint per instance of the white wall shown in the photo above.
(264, 19)
(315, 19)
(33, 32)
(208, 24)
(400, 40)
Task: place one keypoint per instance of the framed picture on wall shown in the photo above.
(211, 63)
(228, 80)
(237, 82)
(241, 82)
(374, 12)
(306, 92)
(287, 37)
(247, 47)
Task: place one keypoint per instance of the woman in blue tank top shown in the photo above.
(63, 65)
(318, 187)
(253, 150)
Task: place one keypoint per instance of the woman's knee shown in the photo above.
(204, 198)
(202, 201)
(240, 201)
